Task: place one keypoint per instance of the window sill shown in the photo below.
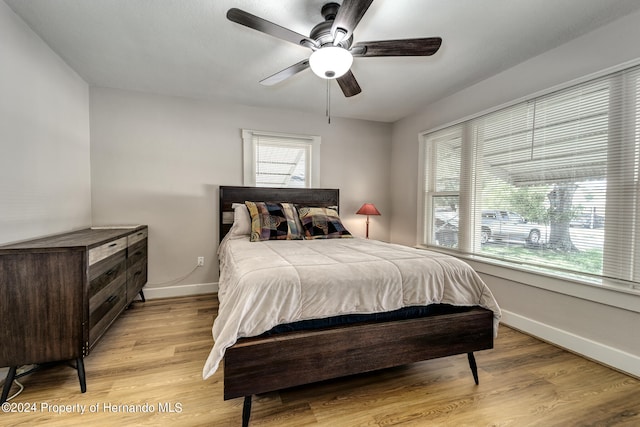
(604, 291)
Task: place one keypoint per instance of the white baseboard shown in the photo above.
(180, 290)
(610, 356)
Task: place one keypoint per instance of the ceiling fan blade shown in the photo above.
(347, 19)
(255, 22)
(407, 47)
(349, 84)
(286, 73)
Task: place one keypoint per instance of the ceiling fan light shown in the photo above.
(330, 62)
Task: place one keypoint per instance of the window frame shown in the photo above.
(311, 144)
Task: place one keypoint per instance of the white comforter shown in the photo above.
(263, 284)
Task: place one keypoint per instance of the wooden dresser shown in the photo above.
(59, 294)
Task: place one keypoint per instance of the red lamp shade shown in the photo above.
(368, 209)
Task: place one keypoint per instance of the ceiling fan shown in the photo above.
(332, 43)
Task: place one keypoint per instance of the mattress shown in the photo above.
(269, 283)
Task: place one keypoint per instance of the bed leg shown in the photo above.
(473, 366)
(246, 411)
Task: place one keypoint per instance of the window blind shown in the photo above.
(280, 160)
(554, 183)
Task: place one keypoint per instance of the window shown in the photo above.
(549, 183)
(280, 160)
(443, 182)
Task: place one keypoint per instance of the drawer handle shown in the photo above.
(138, 253)
(110, 272)
(113, 244)
(112, 298)
(140, 233)
(137, 273)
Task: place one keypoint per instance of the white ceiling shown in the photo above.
(189, 48)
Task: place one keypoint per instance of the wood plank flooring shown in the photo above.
(147, 370)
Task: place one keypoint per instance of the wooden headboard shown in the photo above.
(319, 197)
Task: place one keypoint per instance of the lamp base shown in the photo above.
(367, 232)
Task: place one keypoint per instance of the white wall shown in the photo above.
(561, 314)
(45, 185)
(159, 160)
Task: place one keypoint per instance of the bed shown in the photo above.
(291, 314)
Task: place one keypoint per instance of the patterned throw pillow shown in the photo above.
(274, 221)
(322, 223)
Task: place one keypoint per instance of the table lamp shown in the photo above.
(368, 209)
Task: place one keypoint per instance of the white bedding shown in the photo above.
(263, 284)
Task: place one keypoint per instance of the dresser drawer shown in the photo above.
(106, 271)
(137, 236)
(136, 278)
(136, 252)
(106, 305)
(105, 292)
(101, 252)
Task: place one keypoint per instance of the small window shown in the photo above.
(281, 160)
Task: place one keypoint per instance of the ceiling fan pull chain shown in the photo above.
(328, 111)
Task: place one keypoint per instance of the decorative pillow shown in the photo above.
(274, 221)
(322, 223)
(241, 220)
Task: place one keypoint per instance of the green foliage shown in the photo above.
(530, 203)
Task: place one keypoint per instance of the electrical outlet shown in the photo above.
(200, 261)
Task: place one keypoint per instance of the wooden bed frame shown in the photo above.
(262, 364)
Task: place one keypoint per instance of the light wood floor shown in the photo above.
(155, 352)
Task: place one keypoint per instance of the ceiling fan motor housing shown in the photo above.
(321, 33)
